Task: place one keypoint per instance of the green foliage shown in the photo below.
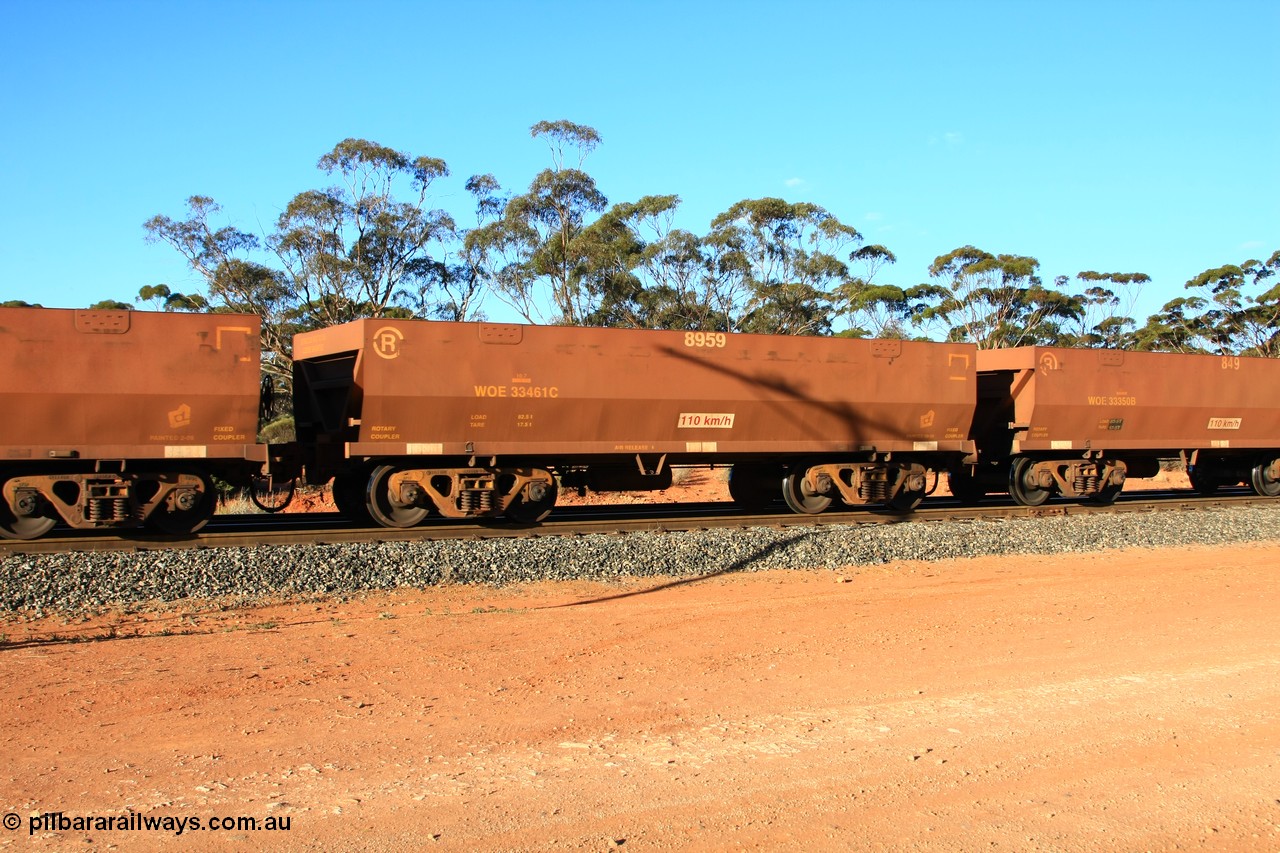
(1224, 317)
(372, 244)
(776, 262)
(992, 300)
(536, 250)
(356, 249)
(163, 299)
(872, 310)
(234, 283)
(278, 431)
(1105, 305)
(111, 305)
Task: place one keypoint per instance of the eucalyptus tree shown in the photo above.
(1222, 316)
(682, 292)
(648, 275)
(162, 298)
(1176, 327)
(234, 282)
(357, 249)
(361, 248)
(775, 263)
(535, 251)
(1235, 321)
(1106, 306)
(614, 248)
(871, 309)
(453, 286)
(992, 300)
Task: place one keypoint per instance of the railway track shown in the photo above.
(331, 528)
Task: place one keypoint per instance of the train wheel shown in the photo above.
(533, 511)
(1202, 481)
(269, 496)
(24, 527)
(194, 509)
(799, 497)
(964, 486)
(1023, 485)
(1263, 478)
(384, 507)
(906, 500)
(348, 497)
(753, 487)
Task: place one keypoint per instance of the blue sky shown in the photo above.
(1113, 136)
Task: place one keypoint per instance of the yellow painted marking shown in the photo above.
(217, 335)
(386, 341)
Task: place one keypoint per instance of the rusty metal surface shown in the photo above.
(464, 389)
(1078, 399)
(128, 385)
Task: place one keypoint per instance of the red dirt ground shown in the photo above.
(1117, 701)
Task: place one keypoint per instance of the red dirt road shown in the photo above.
(1121, 701)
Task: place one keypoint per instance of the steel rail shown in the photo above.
(332, 529)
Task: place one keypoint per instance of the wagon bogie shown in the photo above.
(898, 485)
(183, 503)
(808, 490)
(1265, 476)
(1033, 481)
(24, 514)
(173, 501)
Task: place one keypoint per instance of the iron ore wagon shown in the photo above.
(482, 419)
(1078, 422)
(119, 418)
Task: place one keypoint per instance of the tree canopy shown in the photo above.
(375, 241)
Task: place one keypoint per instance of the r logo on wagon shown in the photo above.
(386, 341)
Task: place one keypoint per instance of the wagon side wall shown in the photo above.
(554, 392)
(95, 384)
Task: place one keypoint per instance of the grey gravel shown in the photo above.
(38, 585)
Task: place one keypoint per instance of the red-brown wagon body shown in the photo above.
(619, 406)
(115, 415)
(1126, 410)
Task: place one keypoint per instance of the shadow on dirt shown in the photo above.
(738, 566)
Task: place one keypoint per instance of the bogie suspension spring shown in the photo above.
(1086, 483)
(873, 490)
(476, 501)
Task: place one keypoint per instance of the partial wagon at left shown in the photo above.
(117, 419)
